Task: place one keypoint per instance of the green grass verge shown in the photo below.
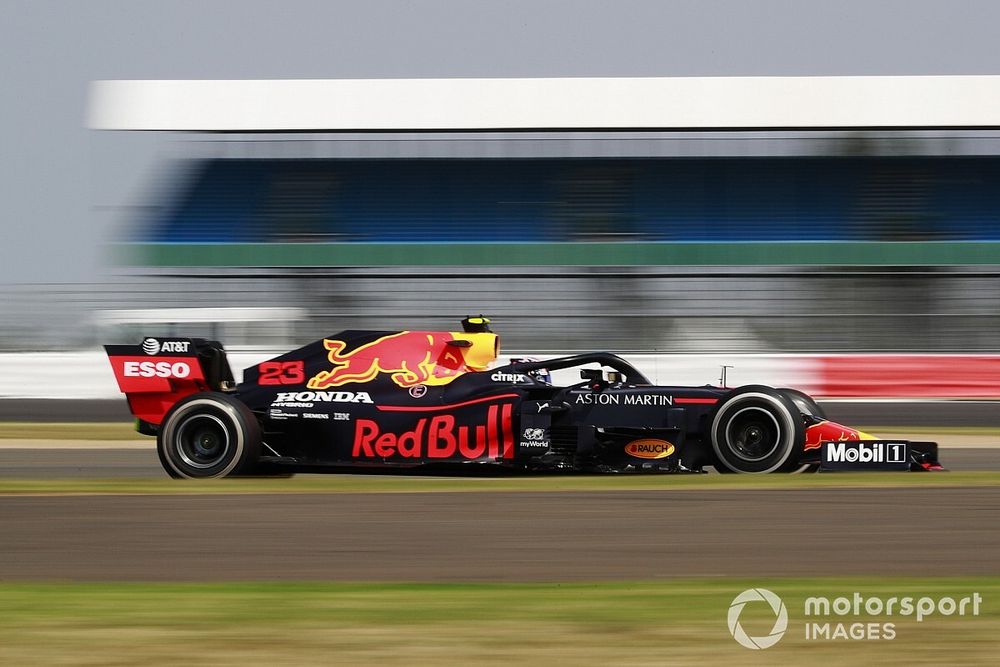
(346, 483)
(639, 623)
(70, 431)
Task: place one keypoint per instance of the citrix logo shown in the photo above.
(508, 377)
(780, 620)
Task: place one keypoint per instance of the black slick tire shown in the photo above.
(757, 429)
(209, 435)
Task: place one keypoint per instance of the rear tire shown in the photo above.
(755, 430)
(209, 435)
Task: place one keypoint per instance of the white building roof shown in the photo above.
(389, 105)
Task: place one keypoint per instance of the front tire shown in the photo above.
(757, 430)
(806, 403)
(209, 435)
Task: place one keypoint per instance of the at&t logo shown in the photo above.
(780, 618)
(152, 346)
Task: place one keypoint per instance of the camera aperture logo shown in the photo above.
(856, 617)
(780, 618)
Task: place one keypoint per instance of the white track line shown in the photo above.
(26, 443)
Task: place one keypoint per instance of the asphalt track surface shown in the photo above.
(861, 412)
(483, 536)
(501, 537)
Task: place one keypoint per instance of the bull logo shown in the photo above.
(819, 433)
(410, 358)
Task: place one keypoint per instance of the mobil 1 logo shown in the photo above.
(866, 455)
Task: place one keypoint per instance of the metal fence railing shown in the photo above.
(656, 309)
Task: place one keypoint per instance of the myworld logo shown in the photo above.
(780, 618)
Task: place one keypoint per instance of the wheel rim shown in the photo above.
(753, 434)
(202, 441)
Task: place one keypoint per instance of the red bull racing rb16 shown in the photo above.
(414, 398)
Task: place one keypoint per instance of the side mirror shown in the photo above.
(592, 374)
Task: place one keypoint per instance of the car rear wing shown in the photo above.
(157, 373)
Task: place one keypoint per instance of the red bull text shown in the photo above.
(439, 437)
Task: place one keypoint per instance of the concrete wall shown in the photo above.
(87, 375)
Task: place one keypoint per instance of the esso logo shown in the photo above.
(156, 369)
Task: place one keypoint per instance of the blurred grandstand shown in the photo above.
(722, 200)
(744, 208)
(757, 253)
(684, 241)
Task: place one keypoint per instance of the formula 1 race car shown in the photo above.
(408, 398)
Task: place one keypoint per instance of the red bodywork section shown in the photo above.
(153, 384)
